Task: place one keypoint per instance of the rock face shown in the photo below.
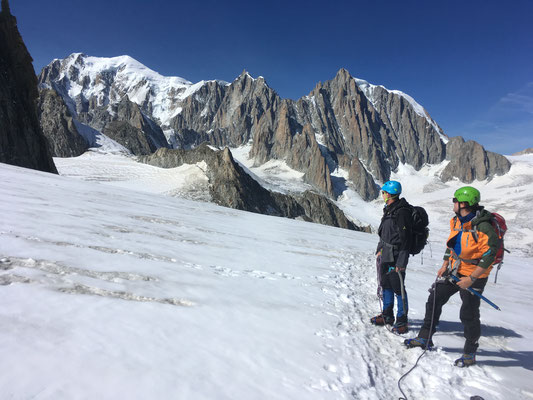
(128, 126)
(363, 180)
(22, 141)
(344, 125)
(231, 186)
(337, 125)
(58, 126)
(470, 161)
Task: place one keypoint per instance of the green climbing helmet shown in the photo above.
(468, 194)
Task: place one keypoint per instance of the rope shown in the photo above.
(427, 343)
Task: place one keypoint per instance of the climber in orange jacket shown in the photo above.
(470, 253)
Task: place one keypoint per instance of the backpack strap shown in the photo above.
(474, 261)
(457, 261)
(473, 231)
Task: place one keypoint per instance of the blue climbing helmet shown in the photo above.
(392, 187)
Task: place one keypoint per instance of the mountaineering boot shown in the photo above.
(418, 342)
(400, 328)
(381, 320)
(466, 360)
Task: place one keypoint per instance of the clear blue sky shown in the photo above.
(469, 63)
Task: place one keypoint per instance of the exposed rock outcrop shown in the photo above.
(58, 126)
(231, 186)
(363, 180)
(336, 125)
(128, 126)
(412, 137)
(470, 161)
(22, 142)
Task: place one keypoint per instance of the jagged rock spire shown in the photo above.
(5, 7)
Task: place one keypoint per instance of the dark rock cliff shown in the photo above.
(22, 141)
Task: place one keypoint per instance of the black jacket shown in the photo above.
(395, 233)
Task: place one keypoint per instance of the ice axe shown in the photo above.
(456, 279)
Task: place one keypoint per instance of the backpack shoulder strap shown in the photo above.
(461, 229)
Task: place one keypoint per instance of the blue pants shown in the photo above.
(392, 287)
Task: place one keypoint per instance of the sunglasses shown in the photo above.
(455, 200)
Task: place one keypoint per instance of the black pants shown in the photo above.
(391, 280)
(469, 313)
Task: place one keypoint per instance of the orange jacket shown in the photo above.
(479, 244)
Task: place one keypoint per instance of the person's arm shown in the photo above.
(444, 267)
(380, 246)
(403, 222)
(491, 242)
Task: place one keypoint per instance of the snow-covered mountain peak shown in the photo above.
(85, 78)
(123, 65)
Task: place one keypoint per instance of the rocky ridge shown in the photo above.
(231, 186)
(469, 161)
(22, 142)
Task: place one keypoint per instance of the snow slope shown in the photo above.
(113, 289)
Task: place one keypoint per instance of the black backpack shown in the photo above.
(420, 230)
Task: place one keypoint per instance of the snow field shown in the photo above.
(110, 288)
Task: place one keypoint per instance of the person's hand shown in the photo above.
(465, 282)
(398, 269)
(442, 270)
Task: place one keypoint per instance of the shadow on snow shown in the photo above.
(505, 358)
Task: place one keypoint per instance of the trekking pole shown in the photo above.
(456, 279)
(403, 293)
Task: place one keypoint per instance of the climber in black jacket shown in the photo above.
(393, 255)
